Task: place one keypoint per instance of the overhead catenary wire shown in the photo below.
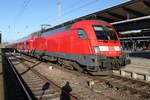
(75, 9)
(91, 2)
(80, 7)
(72, 5)
(24, 7)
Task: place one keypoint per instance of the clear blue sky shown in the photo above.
(19, 18)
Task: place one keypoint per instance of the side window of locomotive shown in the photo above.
(81, 34)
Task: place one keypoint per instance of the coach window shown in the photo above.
(81, 34)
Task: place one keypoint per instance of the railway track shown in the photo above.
(119, 83)
(13, 87)
(124, 84)
(35, 85)
(135, 87)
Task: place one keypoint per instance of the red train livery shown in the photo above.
(89, 45)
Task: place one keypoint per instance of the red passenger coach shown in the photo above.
(88, 45)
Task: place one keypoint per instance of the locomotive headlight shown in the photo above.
(97, 49)
(118, 48)
(121, 48)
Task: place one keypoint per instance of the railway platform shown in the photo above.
(139, 67)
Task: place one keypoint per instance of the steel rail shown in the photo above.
(21, 83)
(45, 78)
(49, 81)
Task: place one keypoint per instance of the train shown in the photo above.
(86, 45)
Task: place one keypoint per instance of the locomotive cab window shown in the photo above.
(81, 34)
(104, 33)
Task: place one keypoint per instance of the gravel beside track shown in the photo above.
(38, 85)
(78, 82)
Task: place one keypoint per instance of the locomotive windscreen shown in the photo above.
(104, 33)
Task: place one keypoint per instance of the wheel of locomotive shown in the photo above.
(65, 63)
(59, 62)
(37, 56)
(77, 67)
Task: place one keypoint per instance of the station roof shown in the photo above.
(128, 10)
(125, 11)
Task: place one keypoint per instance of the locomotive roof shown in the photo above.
(52, 28)
(63, 25)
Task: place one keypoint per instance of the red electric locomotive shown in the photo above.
(89, 45)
